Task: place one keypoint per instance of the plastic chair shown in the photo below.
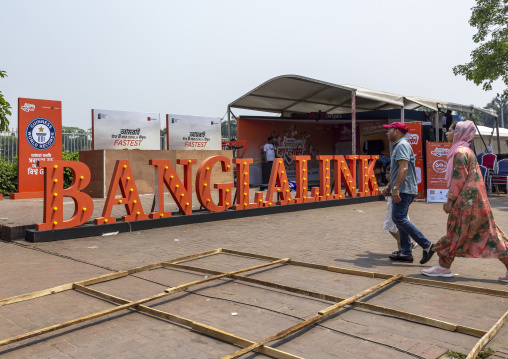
(500, 177)
(489, 160)
(485, 175)
(484, 171)
(479, 158)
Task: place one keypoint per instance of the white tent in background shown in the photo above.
(490, 137)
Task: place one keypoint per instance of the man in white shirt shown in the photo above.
(269, 150)
(268, 157)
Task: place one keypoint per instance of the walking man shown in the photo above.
(403, 189)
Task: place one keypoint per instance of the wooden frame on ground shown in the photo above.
(248, 345)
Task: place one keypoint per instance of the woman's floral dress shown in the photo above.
(471, 230)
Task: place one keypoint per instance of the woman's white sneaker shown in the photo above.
(437, 271)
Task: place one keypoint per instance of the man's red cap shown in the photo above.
(399, 126)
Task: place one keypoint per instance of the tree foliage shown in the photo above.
(8, 176)
(489, 61)
(224, 127)
(4, 108)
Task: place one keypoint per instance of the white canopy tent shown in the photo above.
(483, 132)
(290, 94)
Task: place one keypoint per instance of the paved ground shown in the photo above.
(346, 236)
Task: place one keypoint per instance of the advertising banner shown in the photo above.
(40, 139)
(437, 163)
(123, 130)
(291, 139)
(193, 133)
(414, 138)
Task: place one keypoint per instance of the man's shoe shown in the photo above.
(437, 271)
(395, 253)
(399, 257)
(413, 246)
(427, 255)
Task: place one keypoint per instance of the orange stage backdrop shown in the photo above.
(40, 140)
(437, 162)
(292, 138)
(414, 137)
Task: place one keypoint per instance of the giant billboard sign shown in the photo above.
(40, 140)
(357, 179)
(123, 130)
(193, 133)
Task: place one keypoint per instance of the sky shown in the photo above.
(195, 57)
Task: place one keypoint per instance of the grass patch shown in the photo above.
(484, 354)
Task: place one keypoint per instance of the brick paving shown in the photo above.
(346, 236)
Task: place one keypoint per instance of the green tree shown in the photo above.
(4, 108)
(224, 128)
(8, 176)
(489, 61)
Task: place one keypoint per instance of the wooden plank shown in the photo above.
(467, 288)
(191, 268)
(420, 319)
(331, 298)
(144, 268)
(487, 337)
(218, 334)
(195, 256)
(312, 265)
(99, 279)
(199, 327)
(336, 307)
(341, 270)
(434, 283)
(104, 278)
(60, 288)
(78, 320)
(183, 287)
(325, 313)
(247, 254)
(99, 294)
(167, 292)
(40, 293)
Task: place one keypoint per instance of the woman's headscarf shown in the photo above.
(464, 132)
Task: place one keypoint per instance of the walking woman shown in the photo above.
(471, 230)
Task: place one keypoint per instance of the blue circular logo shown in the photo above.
(40, 133)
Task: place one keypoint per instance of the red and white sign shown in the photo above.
(414, 138)
(437, 163)
(40, 140)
